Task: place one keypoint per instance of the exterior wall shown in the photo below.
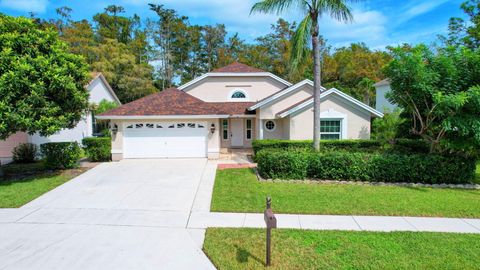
(82, 130)
(246, 143)
(219, 89)
(213, 143)
(7, 146)
(277, 133)
(270, 111)
(381, 101)
(357, 123)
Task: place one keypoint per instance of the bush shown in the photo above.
(354, 145)
(282, 164)
(61, 155)
(97, 149)
(411, 146)
(25, 153)
(375, 167)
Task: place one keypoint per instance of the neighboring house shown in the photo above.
(382, 103)
(228, 108)
(99, 90)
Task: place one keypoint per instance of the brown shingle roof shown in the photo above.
(236, 67)
(176, 102)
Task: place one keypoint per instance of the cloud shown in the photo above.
(417, 9)
(38, 6)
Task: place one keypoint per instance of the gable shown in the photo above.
(270, 110)
(100, 90)
(220, 88)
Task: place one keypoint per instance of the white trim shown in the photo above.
(274, 125)
(140, 117)
(116, 151)
(327, 93)
(242, 116)
(251, 129)
(281, 94)
(332, 115)
(235, 90)
(234, 74)
(107, 85)
(382, 83)
(223, 129)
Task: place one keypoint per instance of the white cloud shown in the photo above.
(417, 9)
(37, 6)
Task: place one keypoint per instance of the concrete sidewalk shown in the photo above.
(200, 220)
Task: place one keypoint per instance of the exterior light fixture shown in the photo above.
(212, 128)
(114, 129)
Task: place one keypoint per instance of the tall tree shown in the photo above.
(213, 39)
(462, 32)
(309, 29)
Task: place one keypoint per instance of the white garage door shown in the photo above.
(165, 140)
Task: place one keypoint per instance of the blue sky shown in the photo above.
(378, 23)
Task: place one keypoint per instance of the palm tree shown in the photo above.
(309, 29)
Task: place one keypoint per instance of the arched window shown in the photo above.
(238, 94)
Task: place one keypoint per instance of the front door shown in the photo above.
(237, 132)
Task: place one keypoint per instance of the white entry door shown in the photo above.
(165, 140)
(237, 132)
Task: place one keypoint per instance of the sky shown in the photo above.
(378, 23)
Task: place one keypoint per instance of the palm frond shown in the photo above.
(276, 6)
(300, 42)
(337, 9)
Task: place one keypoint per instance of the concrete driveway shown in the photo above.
(131, 214)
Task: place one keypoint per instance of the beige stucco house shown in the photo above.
(228, 108)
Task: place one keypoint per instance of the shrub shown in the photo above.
(356, 145)
(61, 155)
(411, 146)
(25, 153)
(97, 149)
(376, 167)
(282, 164)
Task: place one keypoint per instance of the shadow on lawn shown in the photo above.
(243, 255)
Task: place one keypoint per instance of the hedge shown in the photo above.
(356, 145)
(362, 166)
(97, 148)
(61, 155)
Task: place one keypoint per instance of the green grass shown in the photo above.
(238, 190)
(25, 182)
(299, 249)
(477, 174)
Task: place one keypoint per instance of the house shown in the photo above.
(382, 103)
(99, 90)
(228, 108)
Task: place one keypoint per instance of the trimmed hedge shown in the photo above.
(98, 148)
(374, 167)
(353, 145)
(61, 155)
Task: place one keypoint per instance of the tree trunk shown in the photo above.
(316, 84)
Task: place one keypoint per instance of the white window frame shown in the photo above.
(248, 129)
(225, 129)
(246, 98)
(274, 125)
(332, 115)
(340, 133)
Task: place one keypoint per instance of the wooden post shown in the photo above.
(271, 222)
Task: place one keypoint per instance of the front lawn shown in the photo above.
(300, 249)
(25, 182)
(238, 190)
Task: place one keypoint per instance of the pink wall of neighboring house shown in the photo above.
(11, 142)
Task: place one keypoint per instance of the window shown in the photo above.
(130, 126)
(191, 125)
(249, 129)
(150, 125)
(138, 125)
(270, 125)
(330, 129)
(171, 126)
(159, 126)
(225, 129)
(238, 94)
(182, 125)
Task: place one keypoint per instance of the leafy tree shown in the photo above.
(129, 79)
(441, 93)
(463, 32)
(81, 40)
(386, 129)
(307, 30)
(213, 40)
(104, 106)
(41, 83)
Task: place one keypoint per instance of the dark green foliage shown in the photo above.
(363, 145)
(282, 164)
(61, 155)
(375, 167)
(24, 153)
(407, 146)
(97, 149)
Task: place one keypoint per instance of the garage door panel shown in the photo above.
(165, 142)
